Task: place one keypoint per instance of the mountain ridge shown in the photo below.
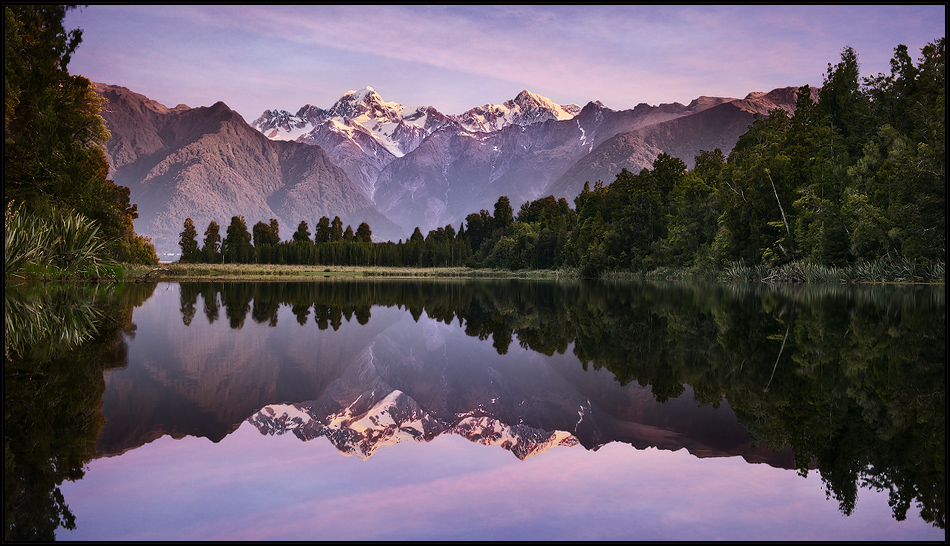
(394, 167)
(208, 164)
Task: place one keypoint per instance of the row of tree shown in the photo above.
(858, 175)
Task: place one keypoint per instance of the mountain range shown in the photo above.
(397, 168)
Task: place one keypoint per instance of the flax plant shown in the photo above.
(76, 245)
(26, 240)
(68, 245)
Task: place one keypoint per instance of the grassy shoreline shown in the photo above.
(878, 273)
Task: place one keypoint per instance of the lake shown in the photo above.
(345, 409)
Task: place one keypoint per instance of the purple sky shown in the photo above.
(267, 488)
(456, 57)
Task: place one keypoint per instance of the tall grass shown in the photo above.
(884, 270)
(25, 240)
(888, 269)
(65, 245)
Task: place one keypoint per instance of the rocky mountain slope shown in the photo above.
(718, 126)
(208, 164)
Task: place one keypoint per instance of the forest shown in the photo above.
(856, 177)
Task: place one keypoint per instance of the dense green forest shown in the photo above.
(62, 211)
(857, 176)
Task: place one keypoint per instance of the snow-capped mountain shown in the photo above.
(362, 133)
(400, 129)
(391, 125)
(398, 168)
(526, 109)
(398, 418)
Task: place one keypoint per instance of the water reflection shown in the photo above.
(848, 381)
(850, 377)
(58, 339)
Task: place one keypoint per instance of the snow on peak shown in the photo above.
(399, 129)
(525, 109)
(361, 429)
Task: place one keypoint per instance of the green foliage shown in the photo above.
(67, 245)
(236, 246)
(363, 233)
(26, 240)
(211, 251)
(323, 233)
(53, 134)
(302, 235)
(336, 229)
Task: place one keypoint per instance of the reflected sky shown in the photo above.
(252, 487)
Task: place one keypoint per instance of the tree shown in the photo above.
(902, 171)
(479, 228)
(188, 242)
(336, 229)
(302, 235)
(266, 234)
(364, 234)
(322, 233)
(504, 215)
(210, 252)
(348, 235)
(843, 101)
(237, 244)
(694, 208)
(53, 133)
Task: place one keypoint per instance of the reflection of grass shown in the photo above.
(53, 318)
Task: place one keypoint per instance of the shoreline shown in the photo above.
(269, 272)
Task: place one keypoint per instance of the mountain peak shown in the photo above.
(526, 108)
(362, 95)
(528, 95)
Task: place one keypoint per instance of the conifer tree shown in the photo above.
(302, 235)
(189, 242)
(212, 243)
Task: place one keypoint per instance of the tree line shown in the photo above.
(857, 175)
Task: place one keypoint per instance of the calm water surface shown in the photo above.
(348, 409)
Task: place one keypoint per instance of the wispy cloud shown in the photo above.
(456, 57)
